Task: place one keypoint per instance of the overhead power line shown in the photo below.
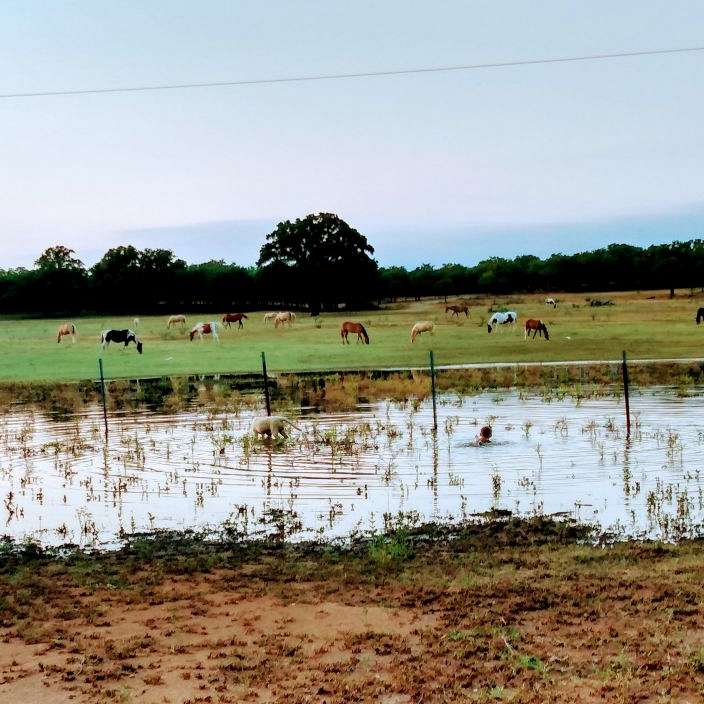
(364, 74)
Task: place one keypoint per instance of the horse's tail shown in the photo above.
(364, 334)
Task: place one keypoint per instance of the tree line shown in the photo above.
(321, 263)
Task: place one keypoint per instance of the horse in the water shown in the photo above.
(201, 329)
(284, 317)
(700, 315)
(537, 327)
(508, 317)
(176, 319)
(457, 308)
(421, 327)
(348, 327)
(67, 329)
(229, 318)
(125, 336)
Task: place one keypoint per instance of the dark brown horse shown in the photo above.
(700, 315)
(348, 327)
(458, 308)
(234, 318)
(537, 327)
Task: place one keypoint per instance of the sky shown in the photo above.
(442, 167)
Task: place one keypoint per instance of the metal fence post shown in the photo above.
(102, 390)
(432, 388)
(624, 370)
(266, 386)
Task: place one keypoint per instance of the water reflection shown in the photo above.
(354, 471)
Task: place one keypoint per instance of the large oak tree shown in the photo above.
(326, 261)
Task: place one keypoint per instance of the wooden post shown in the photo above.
(624, 369)
(432, 388)
(102, 390)
(266, 386)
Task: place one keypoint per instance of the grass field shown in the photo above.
(646, 324)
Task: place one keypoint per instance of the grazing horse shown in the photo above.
(229, 318)
(422, 326)
(700, 315)
(537, 327)
(125, 336)
(285, 317)
(507, 318)
(348, 327)
(201, 329)
(551, 302)
(176, 319)
(268, 317)
(67, 329)
(458, 308)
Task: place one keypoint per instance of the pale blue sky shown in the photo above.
(441, 167)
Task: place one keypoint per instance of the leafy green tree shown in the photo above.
(323, 260)
(58, 258)
(59, 283)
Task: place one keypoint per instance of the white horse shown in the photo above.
(285, 317)
(422, 326)
(176, 319)
(551, 302)
(508, 317)
(201, 329)
(135, 323)
(268, 317)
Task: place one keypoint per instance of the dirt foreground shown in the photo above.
(492, 613)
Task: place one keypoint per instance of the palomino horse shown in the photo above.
(537, 327)
(67, 329)
(700, 315)
(458, 308)
(348, 327)
(229, 318)
(181, 319)
(117, 336)
(551, 302)
(285, 317)
(508, 317)
(422, 326)
(201, 329)
(268, 317)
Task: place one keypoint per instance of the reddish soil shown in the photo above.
(550, 623)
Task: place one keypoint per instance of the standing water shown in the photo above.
(341, 473)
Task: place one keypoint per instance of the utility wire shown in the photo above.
(366, 74)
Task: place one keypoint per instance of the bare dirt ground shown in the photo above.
(449, 621)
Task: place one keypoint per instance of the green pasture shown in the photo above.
(644, 326)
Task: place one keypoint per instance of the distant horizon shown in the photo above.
(431, 167)
(238, 242)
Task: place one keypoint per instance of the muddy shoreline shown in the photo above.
(499, 609)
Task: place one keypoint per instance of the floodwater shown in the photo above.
(354, 472)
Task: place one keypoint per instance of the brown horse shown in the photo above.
(458, 308)
(348, 327)
(234, 318)
(67, 329)
(537, 327)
